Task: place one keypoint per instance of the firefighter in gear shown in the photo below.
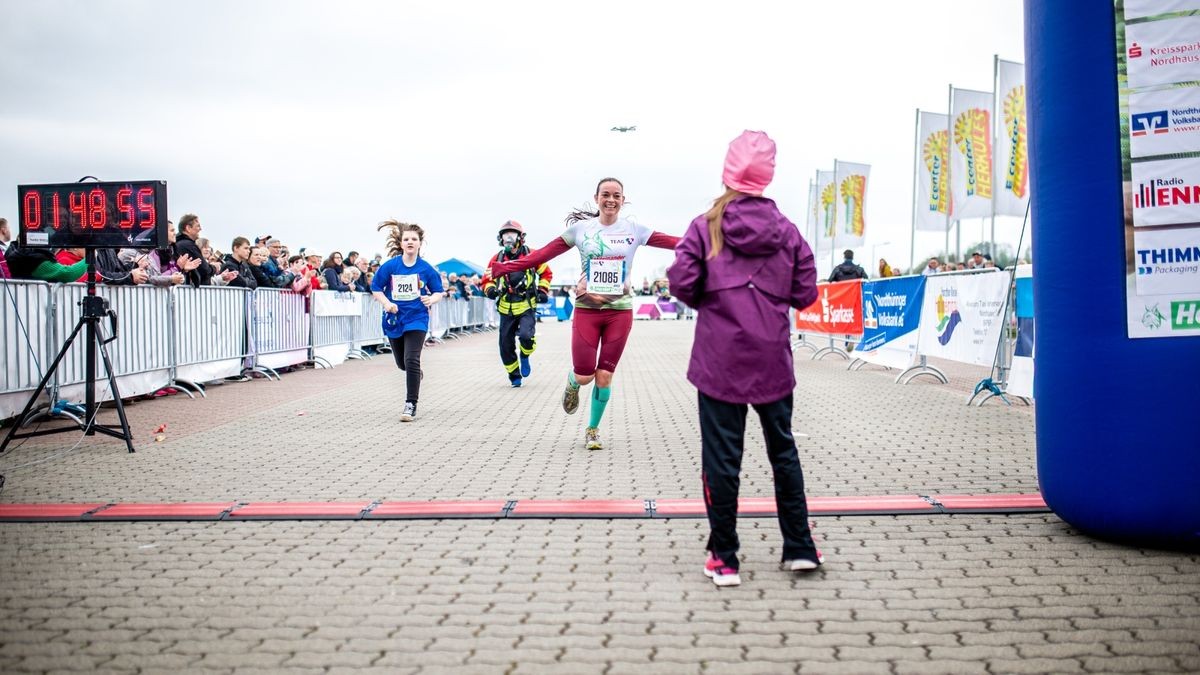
(517, 295)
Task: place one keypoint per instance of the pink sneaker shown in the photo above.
(720, 573)
(804, 564)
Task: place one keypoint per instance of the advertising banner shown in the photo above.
(933, 172)
(962, 316)
(1163, 52)
(827, 210)
(1166, 192)
(1012, 141)
(1163, 122)
(1158, 65)
(837, 310)
(1136, 9)
(971, 179)
(891, 316)
(1020, 376)
(336, 303)
(812, 215)
(851, 181)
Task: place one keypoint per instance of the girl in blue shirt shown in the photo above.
(407, 286)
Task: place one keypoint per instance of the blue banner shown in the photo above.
(891, 308)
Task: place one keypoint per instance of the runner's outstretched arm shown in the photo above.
(661, 240)
(544, 254)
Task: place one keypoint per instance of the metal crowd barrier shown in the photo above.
(329, 334)
(279, 330)
(26, 324)
(185, 336)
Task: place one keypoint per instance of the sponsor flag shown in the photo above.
(837, 310)
(851, 182)
(971, 179)
(962, 316)
(1162, 52)
(811, 217)
(1020, 376)
(1012, 141)
(1164, 122)
(827, 210)
(933, 172)
(891, 315)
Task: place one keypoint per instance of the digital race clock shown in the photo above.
(129, 214)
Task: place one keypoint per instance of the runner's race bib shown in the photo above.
(606, 276)
(405, 287)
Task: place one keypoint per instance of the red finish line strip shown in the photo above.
(497, 509)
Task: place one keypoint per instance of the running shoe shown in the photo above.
(526, 369)
(570, 399)
(591, 439)
(410, 411)
(720, 573)
(804, 564)
(516, 384)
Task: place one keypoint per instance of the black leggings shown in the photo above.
(407, 352)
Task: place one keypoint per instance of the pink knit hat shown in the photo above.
(750, 163)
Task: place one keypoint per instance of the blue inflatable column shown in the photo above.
(1118, 419)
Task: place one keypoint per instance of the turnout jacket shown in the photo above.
(517, 291)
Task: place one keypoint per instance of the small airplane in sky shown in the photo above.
(624, 129)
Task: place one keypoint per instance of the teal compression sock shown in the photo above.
(571, 379)
(600, 396)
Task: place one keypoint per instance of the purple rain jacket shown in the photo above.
(742, 351)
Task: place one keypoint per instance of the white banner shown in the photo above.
(1020, 376)
(851, 181)
(1168, 261)
(1012, 141)
(1163, 52)
(971, 178)
(336, 303)
(1135, 9)
(1166, 192)
(813, 216)
(933, 172)
(1164, 122)
(827, 203)
(962, 316)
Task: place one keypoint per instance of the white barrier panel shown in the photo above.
(29, 345)
(439, 323)
(370, 324)
(141, 354)
(210, 332)
(962, 316)
(334, 324)
(278, 328)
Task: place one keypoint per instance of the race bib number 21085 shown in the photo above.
(606, 276)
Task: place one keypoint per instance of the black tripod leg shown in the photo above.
(20, 419)
(112, 383)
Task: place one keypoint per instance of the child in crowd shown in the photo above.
(742, 265)
(407, 286)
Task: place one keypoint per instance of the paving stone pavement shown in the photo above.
(899, 594)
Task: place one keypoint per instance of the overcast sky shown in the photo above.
(313, 121)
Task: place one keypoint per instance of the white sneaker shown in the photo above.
(804, 564)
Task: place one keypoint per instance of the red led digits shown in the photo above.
(78, 206)
(96, 209)
(145, 203)
(56, 207)
(33, 210)
(125, 207)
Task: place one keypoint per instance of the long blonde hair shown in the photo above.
(397, 230)
(714, 216)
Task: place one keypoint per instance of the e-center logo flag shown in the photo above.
(851, 182)
(971, 179)
(1012, 144)
(933, 172)
(827, 213)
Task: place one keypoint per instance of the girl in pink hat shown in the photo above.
(603, 297)
(742, 264)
